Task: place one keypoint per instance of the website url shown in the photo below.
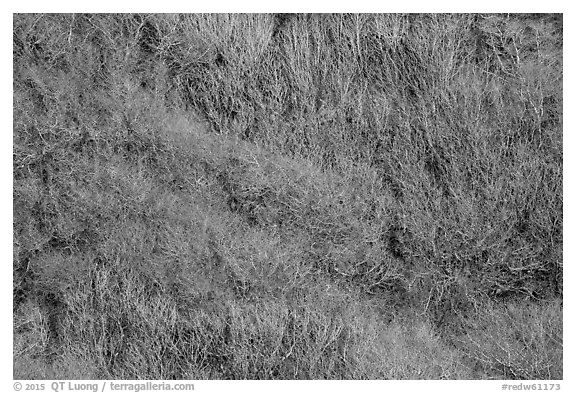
(137, 387)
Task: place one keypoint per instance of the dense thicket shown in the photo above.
(288, 196)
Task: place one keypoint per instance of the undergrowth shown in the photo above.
(287, 196)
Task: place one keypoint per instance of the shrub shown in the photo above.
(287, 196)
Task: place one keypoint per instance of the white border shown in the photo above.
(295, 6)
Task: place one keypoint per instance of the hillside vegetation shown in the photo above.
(282, 196)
